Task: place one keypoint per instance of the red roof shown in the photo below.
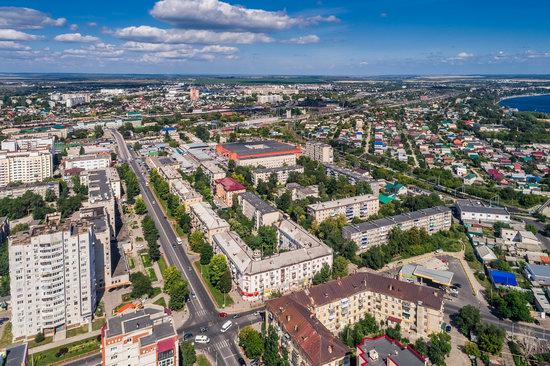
(123, 308)
(545, 259)
(230, 185)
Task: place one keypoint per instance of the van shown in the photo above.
(178, 239)
(226, 326)
(202, 339)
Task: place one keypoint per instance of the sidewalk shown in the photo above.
(64, 342)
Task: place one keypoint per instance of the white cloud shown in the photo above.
(73, 27)
(383, 15)
(91, 24)
(312, 38)
(149, 34)
(203, 14)
(464, 56)
(26, 18)
(100, 50)
(76, 37)
(363, 63)
(9, 45)
(15, 35)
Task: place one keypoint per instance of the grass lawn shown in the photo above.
(152, 274)
(6, 335)
(74, 349)
(203, 361)
(160, 302)
(98, 323)
(33, 344)
(131, 263)
(162, 264)
(156, 291)
(216, 294)
(76, 331)
(146, 260)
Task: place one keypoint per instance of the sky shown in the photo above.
(261, 37)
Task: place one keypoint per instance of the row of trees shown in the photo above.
(176, 287)
(490, 338)
(130, 180)
(151, 235)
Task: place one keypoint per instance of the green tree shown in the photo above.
(139, 206)
(471, 349)
(206, 254)
(196, 241)
(171, 277)
(231, 165)
(394, 332)
(141, 285)
(137, 146)
(50, 196)
(225, 284)
(81, 151)
(284, 201)
(184, 221)
(271, 347)
(490, 338)
(218, 266)
(421, 346)
(188, 356)
(439, 348)
(532, 228)
(39, 338)
(252, 342)
(323, 275)
(339, 267)
(468, 319)
(178, 295)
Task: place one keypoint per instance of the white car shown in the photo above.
(179, 240)
(453, 290)
(202, 339)
(226, 326)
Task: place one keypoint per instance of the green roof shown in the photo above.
(386, 199)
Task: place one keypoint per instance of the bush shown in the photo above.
(39, 338)
(60, 352)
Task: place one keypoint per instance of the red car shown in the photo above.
(222, 315)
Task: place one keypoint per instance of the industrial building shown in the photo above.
(266, 153)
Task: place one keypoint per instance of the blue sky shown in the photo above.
(320, 37)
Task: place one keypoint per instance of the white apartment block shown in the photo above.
(52, 273)
(111, 176)
(29, 144)
(304, 255)
(359, 206)
(259, 211)
(88, 162)
(204, 219)
(270, 98)
(319, 152)
(72, 100)
(25, 166)
(213, 171)
(185, 193)
(476, 211)
(282, 173)
(376, 232)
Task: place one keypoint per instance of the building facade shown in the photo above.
(372, 233)
(476, 211)
(88, 162)
(53, 281)
(320, 152)
(204, 219)
(25, 166)
(281, 173)
(227, 188)
(358, 206)
(259, 211)
(185, 193)
(266, 154)
(144, 337)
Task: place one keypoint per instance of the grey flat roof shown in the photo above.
(440, 277)
(258, 203)
(387, 347)
(480, 207)
(98, 186)
(394, 220)
(258, 147)
(539, 270)
(16, 355)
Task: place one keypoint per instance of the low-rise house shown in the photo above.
(386, 351)
(485, 254)
(537, 274)
(476, 211)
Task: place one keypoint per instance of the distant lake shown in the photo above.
(537, 103)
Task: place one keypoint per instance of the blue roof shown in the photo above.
(164, 129)
(503, 278)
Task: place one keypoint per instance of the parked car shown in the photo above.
(235, 316)
(448, 328)
(187, 336)
(202, 339)
(222, 315)
(242, 362)
(204, 329)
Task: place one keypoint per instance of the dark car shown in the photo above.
(242, 362)
(448, 328)
(204, 329)
(235, 316)
(187, 336)
(222, 315)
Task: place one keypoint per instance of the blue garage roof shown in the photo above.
(503, 278)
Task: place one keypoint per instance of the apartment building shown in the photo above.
(169, 173)
(281, 173)
(353, 176)
(302, 256)
(270, 98)
(52, 277)
(25, 166)
(73, 100)
(320, 152)
(372, 233)
(359, 206)
(88, 162)
(110, 176)
(142, 337)
(204, 219)
(213, 171)
(266, 153)
(335, 304)
(29, 144)
(227, 188)
(100, 194)
(299, 192)
(383, 350)
(470, 210)
(185, 193)
(259, 211)
(39, 188)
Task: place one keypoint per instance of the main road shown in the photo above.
(203, 313)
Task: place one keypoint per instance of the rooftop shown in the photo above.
(230, 185)
(207, 216)
(342, 202)
(293, 168)
(252, 148)
(376, 351)
(258, 203)
(476, 206)
(16, 355)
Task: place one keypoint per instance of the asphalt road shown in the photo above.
(223, 346)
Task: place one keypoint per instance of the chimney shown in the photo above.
(296, 327)
(330, 348)
(137, 325)
(390, 287)
(288, 318)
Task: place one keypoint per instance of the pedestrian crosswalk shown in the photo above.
(218, 346)
(199, 312)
